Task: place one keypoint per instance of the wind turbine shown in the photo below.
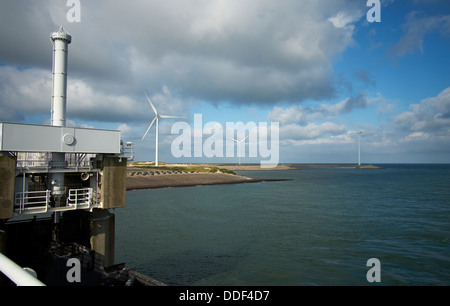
(239, 142)
(157, 116)
(358, 135)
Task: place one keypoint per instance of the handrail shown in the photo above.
(35, 202)
(39, 199)
(80, 197)
(15, 273)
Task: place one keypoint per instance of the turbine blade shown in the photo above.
(149, 127)
(164, 116)
(151, 104)
(354, 127)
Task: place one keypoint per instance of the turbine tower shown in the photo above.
(358, 136)
(239, 142)
(157, 116)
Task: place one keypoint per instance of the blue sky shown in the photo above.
(312, 66)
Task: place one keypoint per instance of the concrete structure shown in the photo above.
(71, 173)
(7, 178)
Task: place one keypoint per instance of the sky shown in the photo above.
(317, 68)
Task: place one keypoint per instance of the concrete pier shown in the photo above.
(7, 177)
(113, 182)
(102, 235)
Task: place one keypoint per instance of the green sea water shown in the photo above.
(319, 228)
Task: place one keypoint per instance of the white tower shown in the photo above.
(61, 40)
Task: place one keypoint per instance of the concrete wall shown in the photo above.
(114, 182)
(102, 235)
(7, 178)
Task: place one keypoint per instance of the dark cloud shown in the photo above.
(365, 76)
(417, 26)
(234, 51)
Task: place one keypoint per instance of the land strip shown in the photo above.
(146, 177)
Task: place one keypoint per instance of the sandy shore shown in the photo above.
(146, 179)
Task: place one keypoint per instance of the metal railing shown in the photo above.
(80, 198)
(17, 274)
(43, 160)
(36, 202)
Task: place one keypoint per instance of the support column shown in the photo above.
(114, 182)
(102, 235)
(7, 179)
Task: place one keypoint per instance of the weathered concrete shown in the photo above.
(114, 184)
(7, 178)
(102, 235)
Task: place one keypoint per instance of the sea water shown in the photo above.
(319, 228)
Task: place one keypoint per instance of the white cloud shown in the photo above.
(294, 113)
(21, 92)
(311, 131)
(303, 114)
(415, 137)
(342, 19)
(431, 115)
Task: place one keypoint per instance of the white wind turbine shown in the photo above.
(239, 142)
(358, 135)
(157, 116)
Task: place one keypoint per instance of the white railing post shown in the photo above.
(15, 273)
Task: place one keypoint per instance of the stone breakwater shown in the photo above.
(153, 178)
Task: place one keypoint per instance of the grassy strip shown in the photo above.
(207, 169)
